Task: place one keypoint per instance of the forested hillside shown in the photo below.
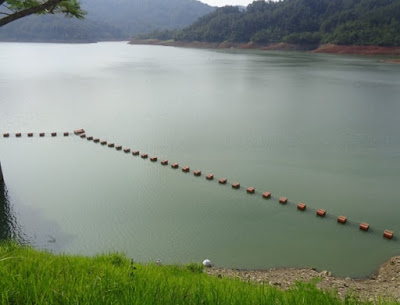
(360, 22)
(107, 20)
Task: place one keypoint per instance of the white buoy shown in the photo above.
(207, 263)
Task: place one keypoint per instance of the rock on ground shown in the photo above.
(384, 284)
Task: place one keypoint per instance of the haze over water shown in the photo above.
(318, 129)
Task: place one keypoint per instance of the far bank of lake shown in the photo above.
(328, 49)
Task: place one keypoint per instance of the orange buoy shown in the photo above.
(54, 134)
(96, 140)
(135, 153)
(222, 181)
(174, 165)
(111, 145)
(127, 150)
(301, 206)
(6, 135)
(267, 195)
(18, 134)
(144, 156)
(210, 177)
(186, 169)
(30, 134)
(388, 234)
(321, 213)
(79, 131)
(153, 159)
(164, 162)
(283, 200)
(342, 219)
(251, 190)
(197, 173)
(66, 134)
(103, 142)
(236, 185)
(364, 226)
(41, 134)
(90, 138)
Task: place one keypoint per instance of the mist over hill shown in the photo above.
(107, 20)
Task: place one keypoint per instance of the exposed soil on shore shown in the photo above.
(384, 285)
(330, 49)
(224, 45)
(358, 50)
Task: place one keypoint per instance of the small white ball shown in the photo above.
(207, 263)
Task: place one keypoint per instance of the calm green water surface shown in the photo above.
(318, 129)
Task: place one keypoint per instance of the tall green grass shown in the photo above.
(28, 276)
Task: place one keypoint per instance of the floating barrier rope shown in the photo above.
(32, 134)
(343, 220)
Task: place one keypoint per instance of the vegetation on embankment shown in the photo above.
(330, 49)
(28, 276)
(312, 22)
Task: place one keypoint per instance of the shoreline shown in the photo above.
(326, 49)
(384, 283)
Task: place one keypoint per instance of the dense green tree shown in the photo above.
(362, 22)
(16, 9)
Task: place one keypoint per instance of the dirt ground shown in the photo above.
(385, 284)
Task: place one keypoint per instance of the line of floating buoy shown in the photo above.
(31, 134)
(235, 185)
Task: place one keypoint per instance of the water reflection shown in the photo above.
(9, 228)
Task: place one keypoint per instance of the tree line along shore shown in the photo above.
(365, 27)
(328, 48)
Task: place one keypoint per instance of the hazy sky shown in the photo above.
(227, 2)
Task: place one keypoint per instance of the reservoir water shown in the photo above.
(318, 129)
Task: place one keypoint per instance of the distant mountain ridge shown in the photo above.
(118, 20)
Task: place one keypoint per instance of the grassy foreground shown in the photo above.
(28, 276)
